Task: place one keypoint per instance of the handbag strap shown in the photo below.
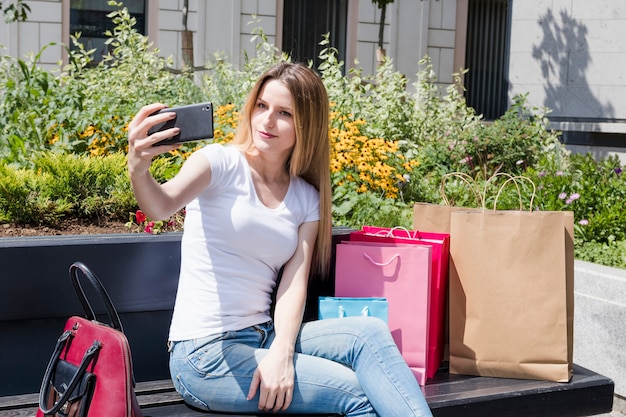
(75, 270)
(47, 379)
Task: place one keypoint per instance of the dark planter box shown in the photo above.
(140, 273)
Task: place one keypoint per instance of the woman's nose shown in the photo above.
(269, 119)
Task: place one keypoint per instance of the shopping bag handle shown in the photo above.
(90, 353)
(389, 233)
(514, 179)
(481, 195)
(75, 270)
(468, 180)
(532, 196)
(341, 312)
(369, 258)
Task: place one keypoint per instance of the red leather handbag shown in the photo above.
(90, 372)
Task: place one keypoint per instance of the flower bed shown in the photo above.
(63, 142)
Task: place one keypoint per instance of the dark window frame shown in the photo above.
(92, 23)
(306, 21)
(487, 56)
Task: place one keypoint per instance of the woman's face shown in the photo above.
(273, 128)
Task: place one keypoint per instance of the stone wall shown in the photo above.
(600, 321)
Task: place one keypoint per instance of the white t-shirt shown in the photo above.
(233, 247)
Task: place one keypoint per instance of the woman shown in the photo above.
(252, 208)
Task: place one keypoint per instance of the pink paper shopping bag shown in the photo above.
(402, 275)
(440, 243)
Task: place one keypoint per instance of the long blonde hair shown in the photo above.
(310, 158)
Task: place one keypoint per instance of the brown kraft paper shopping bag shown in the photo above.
(428, 217)
(512, 294)
(431, 217)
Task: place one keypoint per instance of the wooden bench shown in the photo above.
(448, 395)
(140, 273)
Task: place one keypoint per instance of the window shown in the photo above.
(89, 17)
(304, 23)
(486, 57)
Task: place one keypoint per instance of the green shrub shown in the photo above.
(26, 197)
(609, 254)
(595, 191)
(94, 186)
(130, 76)
(69, 186)
(86, 108)
(29, 101)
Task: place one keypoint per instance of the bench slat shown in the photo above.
(448, 395)
(587, 393)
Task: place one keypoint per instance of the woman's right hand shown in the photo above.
(159, 201)
(140, 149)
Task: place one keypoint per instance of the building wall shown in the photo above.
(569, 56)
(367, 34)
(441, 38)
(168, 20)
(44, 25)
(413, 28)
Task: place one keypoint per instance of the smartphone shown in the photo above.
(194, 120)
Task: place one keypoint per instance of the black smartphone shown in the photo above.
(194, 120)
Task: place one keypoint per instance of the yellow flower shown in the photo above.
(371, 160)
(226, 121)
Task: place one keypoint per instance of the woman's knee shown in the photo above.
(351, 327)
(369, 326)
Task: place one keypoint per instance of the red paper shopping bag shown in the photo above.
(440, 244)
(402, 275)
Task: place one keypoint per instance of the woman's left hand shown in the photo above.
(274, 380)
(141, 147)
(274, 377)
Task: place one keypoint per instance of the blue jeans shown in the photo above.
(348, 366)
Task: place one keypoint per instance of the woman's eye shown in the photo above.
(285, 113)
(261, 105)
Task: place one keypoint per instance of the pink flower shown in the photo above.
(562, 196)
(149, 228)
(572, 198)
(583, 222)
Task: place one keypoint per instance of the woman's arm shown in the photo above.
(159, 201)
(275, 373)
